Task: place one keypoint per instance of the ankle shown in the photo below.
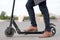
(34, 26)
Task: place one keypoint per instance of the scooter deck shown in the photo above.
(30, 32)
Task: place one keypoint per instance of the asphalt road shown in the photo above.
(23, 25)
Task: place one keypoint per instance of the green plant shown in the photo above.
(26, 18)
(15, 17)
(40, 15)
(52, 17)
(3, 16)
(3, 13)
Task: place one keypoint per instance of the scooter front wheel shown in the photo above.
(9, 32)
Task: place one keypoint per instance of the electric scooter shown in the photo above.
(9, 32)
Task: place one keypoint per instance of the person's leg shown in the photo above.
(29, 7)
(30, 10)
(45, 14)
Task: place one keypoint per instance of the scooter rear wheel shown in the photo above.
(53, 30)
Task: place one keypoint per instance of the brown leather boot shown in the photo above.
(31, 29)
(45, 34)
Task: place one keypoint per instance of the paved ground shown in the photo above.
(23, 25)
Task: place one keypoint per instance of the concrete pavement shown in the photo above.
(23, 25)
